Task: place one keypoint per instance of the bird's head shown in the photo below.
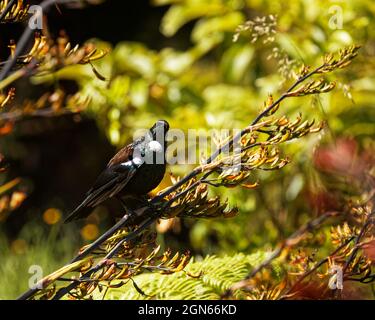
(159, 130)
(153, 144)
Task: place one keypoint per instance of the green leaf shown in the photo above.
(225, 23)
(179, 15)
(236, 62)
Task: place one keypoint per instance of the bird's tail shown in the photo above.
(82, 211)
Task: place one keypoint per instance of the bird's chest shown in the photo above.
(147, 177)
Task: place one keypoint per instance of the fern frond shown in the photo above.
(206, 279)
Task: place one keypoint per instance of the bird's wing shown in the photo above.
(111, 181)
(122, 156)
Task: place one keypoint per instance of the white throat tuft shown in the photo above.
(155, 146)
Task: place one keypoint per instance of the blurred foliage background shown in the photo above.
(177, 60)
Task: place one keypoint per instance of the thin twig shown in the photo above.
(357, 241)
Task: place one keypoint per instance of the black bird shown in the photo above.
(134, 171)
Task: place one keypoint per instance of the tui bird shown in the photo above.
(134, 171)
